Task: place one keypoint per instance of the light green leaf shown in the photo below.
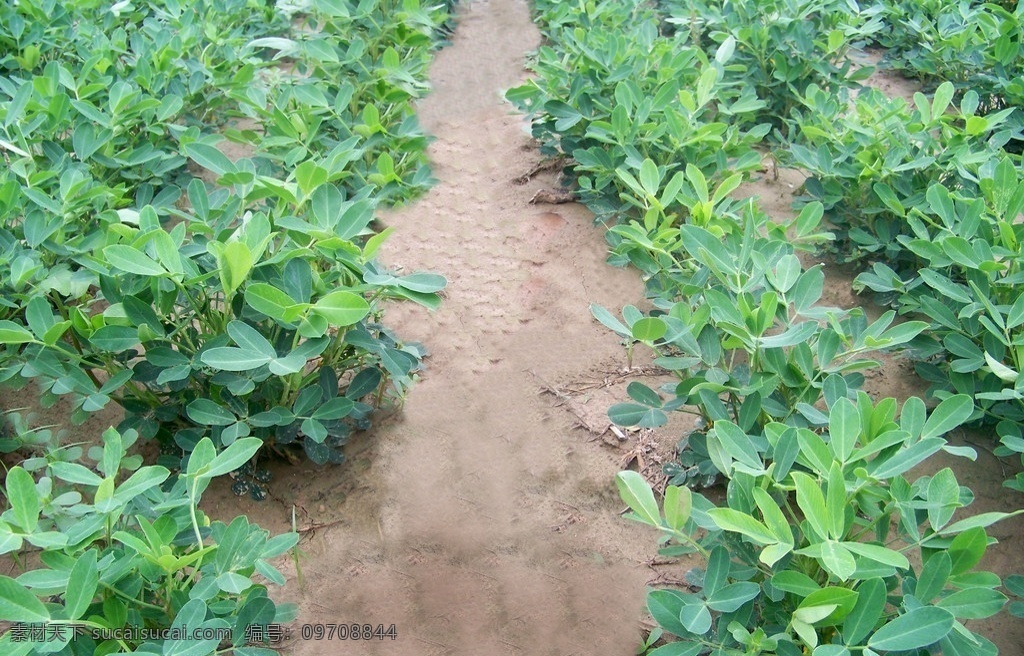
(209, 413)
(115, 339)
(17, 604)
(24, 500)
(773, 516)
(637, 494)
(269, 300)
(981, 520)
(973, 603)
(737, 444)
(1003, 372)
(812, 503)
(813, 614)
(342, 308)
(918, 628)
(12, 333)
(879, 554)
(250, 339)
(649, 329)
(844, 427)
(132, 260)
(82, 584)
(229, 358)
(730, 597)
(866, 612)
(732, 520)
(835, 501)
(209, 157)
(678, 505)
(240, 452)
(934, 575)
(837, 559)
(948, 415)
(233, 582)
(235, 263)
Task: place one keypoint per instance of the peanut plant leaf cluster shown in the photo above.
(186, 229)
(212, 296)
(824, 542)
(125, 546)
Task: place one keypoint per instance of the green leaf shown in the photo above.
(250, 339)
(795, 334)
(209, 413)
(973, 603)
(866, 612)
(933, 577)
(637, 494)
(918, 628)
(949, 414)
(82, 584)
(240, 452)
(233, 582)
(424, 283)
(132, 260)
(981, 520)
(643, 394)
(235, 262)
(649, 329)
(837, 559)
(229, 358)
(835, 502)
(737, 444)
(609, 321)
(785, 274)
(209, 157)
(271, 301)
(650, 177)
(21, 492)
(797, 583)
(678, 505)
(967, 549)
(943, 498)
(327, 204)
(144, 479)
(732, 596)
(665, 607)
(12, 333)
(17, 604)
(844, 428)
(72, 472)
(842, 601)
(773, 516)
(905, 459)
(733, 520)
(678, 648)
(336, 408)
(811, 502)
(879, 554)
(716, 574)
(631, 414)
(115, 339)
(342, 308)
(696, 618)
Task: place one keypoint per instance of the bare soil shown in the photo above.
(483, 519)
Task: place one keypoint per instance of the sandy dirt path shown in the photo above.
(481, 522)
